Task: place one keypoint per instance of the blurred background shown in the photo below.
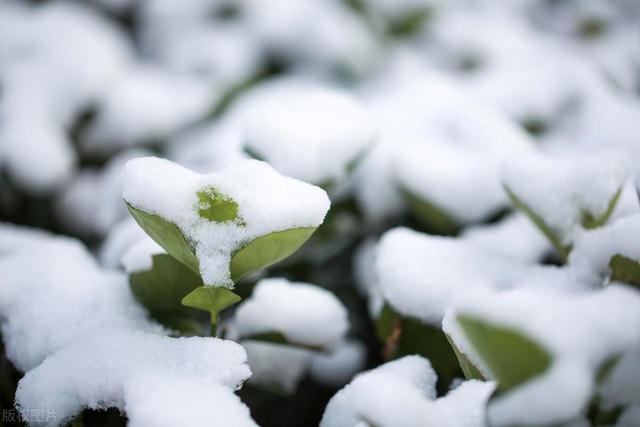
(449, 88)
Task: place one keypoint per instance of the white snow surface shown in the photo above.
(422, 275)
(595, 248)
(303, 313)
(580, 332)
(309, 133)
(267, 202)
(398, 393)
(560, 189)
(83, 342)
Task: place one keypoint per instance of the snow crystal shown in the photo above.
(581, 332)
(398, 393)
(267, 202)
(422, 275)
(83, 342)
(560, 190)
(303, 313)
(311, 134)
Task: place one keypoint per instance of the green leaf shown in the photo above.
(469, 369)
(275, 337)
(216, 207)
(589, 221)
(161, 289)
(267, 250)
(625, 270)
(212, 299)
(511, 357)
(562, 249)
(166, 235)
(433, 219)
(403, 336)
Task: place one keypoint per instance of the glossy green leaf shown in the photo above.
(268, 250)
(403, 336)
(510, 356)
(562, 249)
(161, 289)
(625, 270)
(216, 207)
(166, 235)
(275, 337)
(212, 299)
(433, 219)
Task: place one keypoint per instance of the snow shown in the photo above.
(595, 248)
(422, 275)
(435, 141)
(119, 239)
(147, 105)
(338, 367)
(275, 366)
(59, 310)
(561, 189)
(311, 134)
(303, 313)
(398, 393)
(139, 255)
(580, 332)
(91, 204)
(267, 202)
(514, 236)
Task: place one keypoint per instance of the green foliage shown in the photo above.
(216, 207)
(268, 250)
(161, 289)
(432, 218)
(212, 299)
(166, 235)
(511, 357)
(404, 336)
(625, 270)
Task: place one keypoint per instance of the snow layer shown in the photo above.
(83, 342)
(422, 275)
(275, 366)
(311, 134)
(439, 143)
(514, 236)
(595, 248)
(561, 189)
(338, 367)
(398, 393)
(145, 106)
(305, 314)
(267, 202)
(581, 332)
(139, 256)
